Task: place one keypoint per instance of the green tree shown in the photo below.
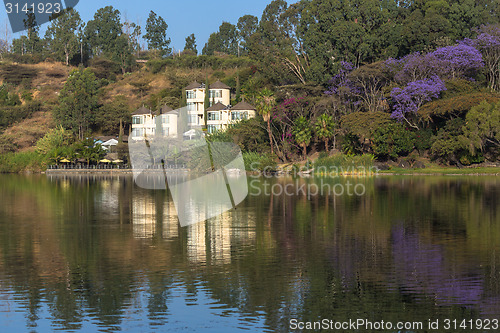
(88, 150)
(225, 40)
(111, 116)
(250, 135)
(55, 138)
(265, 104)
(61, 35)
(302, 133)
(271, 46)
(247, 26)
(450, 143)
(156, 34)
(133, 32)
(324, 128)
(32, 28)
(191, 44)
(482, 126)
(78, 101)
(123, 53)
(392, 141)
(206, 104)
(29, 44)
(103, 31)
(20, 45)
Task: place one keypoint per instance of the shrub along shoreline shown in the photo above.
(334, 165)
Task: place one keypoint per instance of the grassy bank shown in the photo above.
(436, 170)
(22, 162)
(341, 164)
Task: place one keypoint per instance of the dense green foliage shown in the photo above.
(156, 34)
(392, 141)
(362, 77)
(63, 34)
(78, 102)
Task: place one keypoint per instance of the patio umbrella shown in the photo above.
(117, 161)
(190, 133)
(65, 161)
(104, 161)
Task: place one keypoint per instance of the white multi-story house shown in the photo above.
(145, 123)
(220, 114)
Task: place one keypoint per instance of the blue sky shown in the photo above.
(183, 17)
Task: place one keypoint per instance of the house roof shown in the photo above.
(165, 109)
(141, 110)
(217, 107)
(219, 85)
(193, 85)
(243, 106)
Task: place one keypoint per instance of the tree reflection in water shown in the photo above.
(98, 252)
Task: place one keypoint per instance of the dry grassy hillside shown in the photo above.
(44, 81)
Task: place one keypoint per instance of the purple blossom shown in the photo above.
(457, 60)
(409, 99)
(460, 60)
(340, 80)
(488, 43)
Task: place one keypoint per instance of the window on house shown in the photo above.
(213, 128)
(191, 106)
(190, 94)
(215, 94)
(193, 119)
(137, 120)
(138, 132)
(213, 115)
(165, 119)
(239, 115)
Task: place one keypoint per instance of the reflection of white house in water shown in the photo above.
(209, 241)
(212, 240)
(144, 218)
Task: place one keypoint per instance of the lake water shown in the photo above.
(101, 254)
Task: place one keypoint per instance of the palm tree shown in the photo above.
(265, 104)
(303, 134)
(324, 128)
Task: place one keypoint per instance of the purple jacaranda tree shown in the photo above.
(447, 62)
(456, 61)
(359, 87)
(408, 100)
(410, 68)
(342, 86)
(488, 43)
(284, 117)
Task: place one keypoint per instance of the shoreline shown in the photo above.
(493, 171)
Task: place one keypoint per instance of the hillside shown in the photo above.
(38, 87)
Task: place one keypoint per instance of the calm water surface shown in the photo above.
(101, 254)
